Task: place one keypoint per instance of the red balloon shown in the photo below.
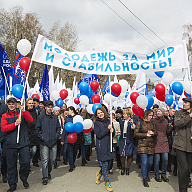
(160, 88)
(72, 137)
(96, 98)
(35, 96)
(94, 85)
(25, 63)
(116, 89)
(87, 130)
(63, 94)
(76, 100)
(134, 96)
(160, 97)
(137, 110)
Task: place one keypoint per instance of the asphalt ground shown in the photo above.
(83, 178)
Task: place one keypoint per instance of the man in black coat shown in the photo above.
(3, 109)
(48, 130)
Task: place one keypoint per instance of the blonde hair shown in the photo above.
(28, 99)
(128, 112)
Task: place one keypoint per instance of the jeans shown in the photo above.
(164, 164)
(146, 163)
(48, 155)
(33, 150)
(65, 151)
(0, 155)
(84, 149)
(104, 170)
(72, 153)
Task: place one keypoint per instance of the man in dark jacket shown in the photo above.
(183, 143)
(9, 125)
(48, 130)
(3, 109)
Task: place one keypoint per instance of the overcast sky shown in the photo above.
(100, 28)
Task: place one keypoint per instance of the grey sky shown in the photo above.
(100, 28)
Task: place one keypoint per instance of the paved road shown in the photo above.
(82, 179)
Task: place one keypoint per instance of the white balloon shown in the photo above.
(142, 101)
(107, 98)
(167, 78)
(87, 124)
(55, 95)
(89, 109)
(122, 95)
(124, 85)
(84, 100)
(77, 118)
(187, 87)
(111, 83)
(69, 92)
(24, 47)
(156, 101)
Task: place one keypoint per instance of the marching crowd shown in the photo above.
(159, 139)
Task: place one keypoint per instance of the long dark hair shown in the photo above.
(106, 116)
(72, 109)
(147, 112)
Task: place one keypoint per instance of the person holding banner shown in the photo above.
(102, 129)
(9, 123)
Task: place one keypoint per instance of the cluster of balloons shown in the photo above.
(24, 47)
(77, 126)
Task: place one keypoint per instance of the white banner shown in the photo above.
(111, 62)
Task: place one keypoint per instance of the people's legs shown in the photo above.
(156, 164)
(75, 149)
(59, 147)
(70, 154)
(24, 161)
(118, 157)
(44, 152)
(33, 151)
(64, 151)
(123, 161)
(105, 171)
(164, 164)
(83, 151)
(36, 156)
(3, 159)
(183, 170)
(12, 167)
(189, 160)
(87, 152)
(52, 157)
(149, 162)
(144, 163)
(129, 160)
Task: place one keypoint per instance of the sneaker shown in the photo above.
(98, 178)
(4, 178)
(44, 182)
(108, 186)
(25, 184)
(11, 189)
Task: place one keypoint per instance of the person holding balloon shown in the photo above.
(126, 145)
(102, 129)
(73, 140)
(145, 132)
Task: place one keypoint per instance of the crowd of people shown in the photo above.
(159, 139)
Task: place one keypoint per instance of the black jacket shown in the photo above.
(3, 109)
(34, 140)
(48, 129)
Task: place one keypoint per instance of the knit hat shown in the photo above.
(162, 110)
(56, 109)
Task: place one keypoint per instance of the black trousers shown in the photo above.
(3, 159)
(184, 161)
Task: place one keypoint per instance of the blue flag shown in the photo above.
(44, 87)
(88, 78)
(106, 87)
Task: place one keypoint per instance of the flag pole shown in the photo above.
(23, 99)
(5, 78)
(110, 105)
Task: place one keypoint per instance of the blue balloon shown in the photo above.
(89, 92)
(59, 102)
(150, 101)
(69, 127)
(177, 88)
(169, 100)
(78, 127)
(90, 101)
(17, 91)
(101, 101)
(78, 95)
(83, 86)
(159, 73)
(95, 106)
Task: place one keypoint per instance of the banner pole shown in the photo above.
(23, 99)
(5, 79)
(110, 105)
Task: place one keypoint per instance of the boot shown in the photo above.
(123, 171)
(145, 183)
(83, 162)
(127, 171)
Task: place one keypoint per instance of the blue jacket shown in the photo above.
(65, 133)
(48, 129)
(103, 140)
(3, 109)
